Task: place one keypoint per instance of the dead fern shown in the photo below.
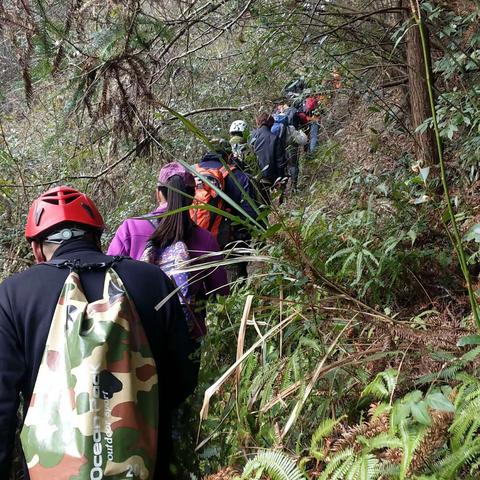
(227, 473)
(349, 435)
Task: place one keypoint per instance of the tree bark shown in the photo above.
(425, 146)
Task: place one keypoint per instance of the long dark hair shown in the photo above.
(265, 119)
(178, 226)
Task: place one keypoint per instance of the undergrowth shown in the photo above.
(365, 381)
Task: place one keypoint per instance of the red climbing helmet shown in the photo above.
(60, 205)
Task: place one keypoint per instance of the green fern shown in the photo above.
(466, 424)
(446, 375)
(276, 465)
(366, 467)
(338, 464)
(467, 454)
(464, 441)
(410, 441)
(382, 385)
(384, 440)
(323, 430)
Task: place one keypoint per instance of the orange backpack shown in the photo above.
(206, 195)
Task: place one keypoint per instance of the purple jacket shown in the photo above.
(133, 234)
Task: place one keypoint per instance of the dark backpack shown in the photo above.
(293, 117)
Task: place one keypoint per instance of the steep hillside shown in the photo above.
(351, 351)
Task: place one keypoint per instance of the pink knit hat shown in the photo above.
(175, 168)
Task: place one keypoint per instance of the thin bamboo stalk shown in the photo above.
(456, 240)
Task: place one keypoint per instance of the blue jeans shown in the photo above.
(314, 128)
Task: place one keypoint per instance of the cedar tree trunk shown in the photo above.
(425, 146)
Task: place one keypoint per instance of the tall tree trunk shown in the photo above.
(425, 146)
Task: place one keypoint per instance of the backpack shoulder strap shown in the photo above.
(224, 171)
(76, 266)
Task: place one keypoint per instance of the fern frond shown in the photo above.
(411, 439)
(384, 440)
(323, 430)
(466, 423)
(340, 462)
(367, 467)
(452, 463)
(276, 464)
(382, 385)
(446, 375)
(342, 470)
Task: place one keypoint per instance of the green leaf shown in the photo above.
(471, 355)
(272, 230)
(370, 255)
(420, 413)
(401, 412)
(359, 267)
(468, 340)
(349, 260)
(412, 397)
(339, 253)
(438, 401)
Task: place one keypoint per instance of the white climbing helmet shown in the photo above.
(238, 126)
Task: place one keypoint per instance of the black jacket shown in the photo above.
(270, 153)
(27, 303)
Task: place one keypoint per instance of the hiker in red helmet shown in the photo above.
(87, 326)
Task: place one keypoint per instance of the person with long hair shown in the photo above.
(148, 235)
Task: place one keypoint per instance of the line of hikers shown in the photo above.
(101, 348)
(278, 140)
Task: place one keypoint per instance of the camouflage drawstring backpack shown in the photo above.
(94, 408)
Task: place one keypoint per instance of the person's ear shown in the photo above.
(38, 252)
(159, 196)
